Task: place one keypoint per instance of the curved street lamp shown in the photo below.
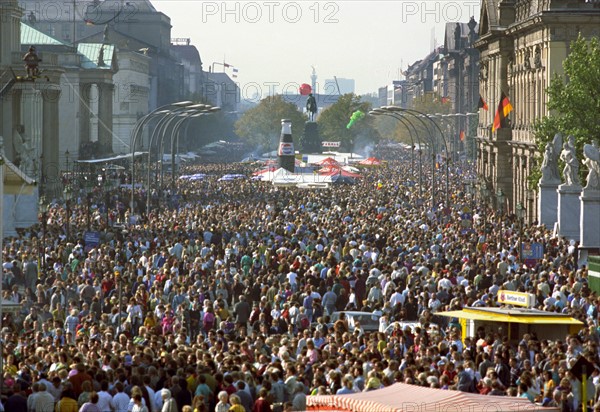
(419, 116)
(67, 193)
(485, 194)
(136, 133)
(407, 123)
(43, 208)
(520, 215)
(161, 128)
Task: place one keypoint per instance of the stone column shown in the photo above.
(547, 205)
(589, 221)
(105, 116)
(51, 184)
(569, 209)
(84, 113)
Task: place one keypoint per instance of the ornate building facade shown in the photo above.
(522, 43)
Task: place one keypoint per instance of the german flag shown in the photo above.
(461, 135)
(504, 108)
(482, 104)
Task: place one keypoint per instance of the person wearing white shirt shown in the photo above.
(120, 402)
(44, 401)
(291, 277)
(32, 398)
(397, 297)
(104, 398)
(157, 400)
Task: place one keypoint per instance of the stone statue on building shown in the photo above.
(549, 167)
(537, 58)
(457, 36)
(23, 150)
(311, 107)
(472, 33)
(483, 70)
(527, 59)
(591, 155)
(32, 61)
(105, 35)
(569, 156)
(101, 57)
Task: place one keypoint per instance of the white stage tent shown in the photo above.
(402, 397)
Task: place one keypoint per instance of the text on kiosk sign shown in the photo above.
(515, 298)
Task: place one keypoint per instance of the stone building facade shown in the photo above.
(522, 43)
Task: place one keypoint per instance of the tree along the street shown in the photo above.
(573, 101)
(261, 125)
(333, 122)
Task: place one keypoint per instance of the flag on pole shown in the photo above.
(482, 104)
(504, 108)
(461, 135)
(226, 65)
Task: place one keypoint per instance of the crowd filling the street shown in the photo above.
(247, 297)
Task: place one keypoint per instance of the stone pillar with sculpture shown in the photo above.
(590, 199)
(569, 205)
(548, 196)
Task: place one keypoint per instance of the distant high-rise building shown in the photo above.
(342, 86)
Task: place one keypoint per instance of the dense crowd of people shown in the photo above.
(221, 300)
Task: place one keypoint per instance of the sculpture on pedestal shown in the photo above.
(23, 150)
(549, 168)
(569, 156)
(32, 61)
(592, 161)
(311, 107)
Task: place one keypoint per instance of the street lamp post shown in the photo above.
(176, 132)
(67, 194)
(118, 278)
(520, 215)
(500, 199)
(485, 193)
(137, 132)
(419, 115)
(107, 201)
(88, 204)
(159, 129)
(389, 111)
(409, 125)
(67, 163)
(43, 207)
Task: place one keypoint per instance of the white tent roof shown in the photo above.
(402, 397)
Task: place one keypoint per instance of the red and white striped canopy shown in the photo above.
(371, 161)
(328, 161)
(402, 397)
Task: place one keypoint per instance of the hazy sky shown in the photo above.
(277, 42)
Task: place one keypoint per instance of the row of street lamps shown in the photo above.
(404, 115)
(400, 113)
(167, 114)
(181, 111)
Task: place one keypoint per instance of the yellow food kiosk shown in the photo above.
(516, 318)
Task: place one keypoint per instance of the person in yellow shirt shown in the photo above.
(236, 404)
(67, 402)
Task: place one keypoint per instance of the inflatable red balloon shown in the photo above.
(305, 89)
